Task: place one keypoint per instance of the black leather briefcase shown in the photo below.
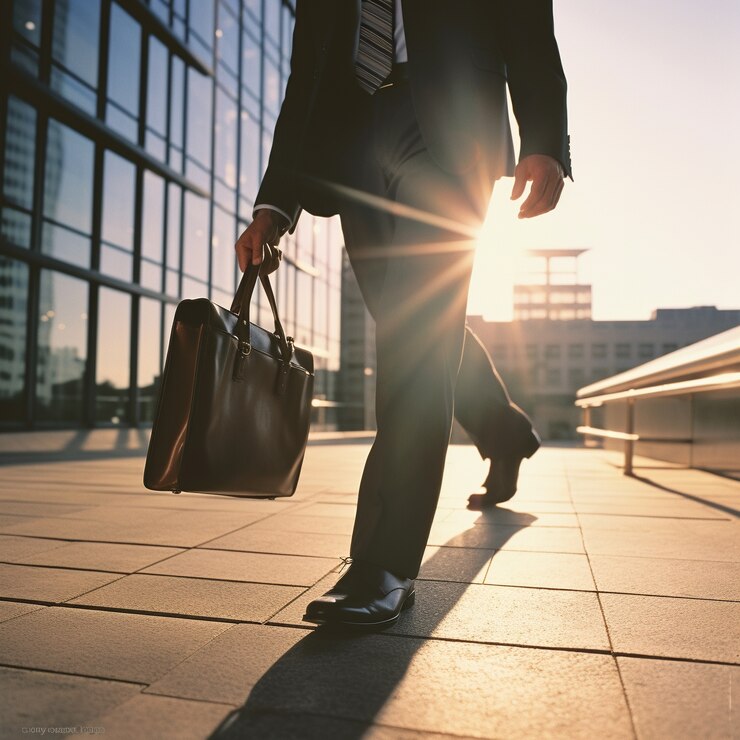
(235, 402)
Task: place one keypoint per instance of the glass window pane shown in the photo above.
(112, 367)
(156, 92)
(223, 257)
(199, 117)
(161, 10)
(177, 96)
(152, 217)
(79, 93)
(225, 138)
(27, 20)
(150, 276)
(174, 204)
(65, 245)
(251, 64)
(255, 8)
(272, 87)
(122, 122)
(227, 35)
(19, 153)
(13, 306)
(195, 238)
(201, 20)
(119, 185)
(250, 151)
(75, 37)
(272, 19)
(150, 344)
(62, 347)
(116, 262)
(69, 177)
(124, 59)
(16, 227)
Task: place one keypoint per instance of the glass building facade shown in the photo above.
(133, 136)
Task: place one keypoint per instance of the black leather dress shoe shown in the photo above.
(502, 478)
(366, 597)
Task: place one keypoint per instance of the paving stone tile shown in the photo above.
(37, 508)
(13, 549)
(491, 692)
(664, 577)
(677, 628)
(11, 609)
(539, 507)
(293, 612)
(130, 647)
(331, 510)
(509, 518)
(121, 515)
(541, 570)
(48, 584)
(179, 529)
(680, 540)
(289, 570)
(466, 565)
(34, 699)
(674, 699)
(252, 539)
(266, 725)
(253, 602)
(162, 718)
(481, 613)
(9, 521)
(519, 616)
(535, 539)
(226, 669)
(309, 524)
(102, 556)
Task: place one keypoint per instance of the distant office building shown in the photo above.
(555, 292)
(544, 362)
(133, 135)
(357, 358)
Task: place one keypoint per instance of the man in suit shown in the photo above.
(395, 117)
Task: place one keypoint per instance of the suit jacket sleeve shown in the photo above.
(536, 79)
(279, 184)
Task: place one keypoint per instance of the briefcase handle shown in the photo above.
(240, 307)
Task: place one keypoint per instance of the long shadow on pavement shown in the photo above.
(334, 684)
(690, 496)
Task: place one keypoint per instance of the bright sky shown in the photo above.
(654, 104)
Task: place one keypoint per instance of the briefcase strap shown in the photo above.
(240, 306)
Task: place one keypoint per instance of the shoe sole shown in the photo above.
(364, 626)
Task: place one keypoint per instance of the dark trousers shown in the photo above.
(409, 232)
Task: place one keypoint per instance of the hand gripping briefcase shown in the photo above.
(235, 402)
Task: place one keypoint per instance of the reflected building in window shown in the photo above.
(133, 137)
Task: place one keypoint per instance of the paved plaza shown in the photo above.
(592, 605)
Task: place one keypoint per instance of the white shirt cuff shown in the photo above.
(263, 206)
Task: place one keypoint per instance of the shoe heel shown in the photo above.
(534, 445)
(410, 599)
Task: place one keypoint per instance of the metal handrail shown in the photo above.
(608, 434)
(697, 385)
(716, 354)
(724, 381)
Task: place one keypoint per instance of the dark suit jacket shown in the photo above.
(462, 54)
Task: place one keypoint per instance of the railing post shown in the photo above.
(629, 444)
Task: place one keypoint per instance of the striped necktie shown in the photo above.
(375, 49)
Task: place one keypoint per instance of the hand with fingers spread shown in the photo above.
(258, 243)
(546, 175)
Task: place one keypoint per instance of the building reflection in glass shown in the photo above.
(62, 347)
(148, 125)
